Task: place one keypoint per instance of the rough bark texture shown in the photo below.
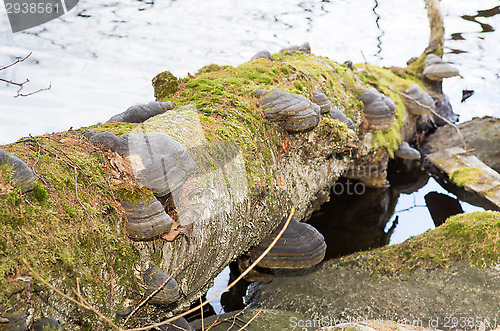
(250, 173)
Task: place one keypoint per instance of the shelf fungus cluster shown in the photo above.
(297, 112)
(436, 69)
(22, 176)
(300, 246)
(161, 165)
(379, 110)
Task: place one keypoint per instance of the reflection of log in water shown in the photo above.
(353, 222)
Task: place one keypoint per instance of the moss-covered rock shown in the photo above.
(447, 272)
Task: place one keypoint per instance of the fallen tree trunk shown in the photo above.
(249, 173)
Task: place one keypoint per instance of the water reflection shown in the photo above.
(483, 13)
(379, 37)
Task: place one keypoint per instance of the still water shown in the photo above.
(100, 57)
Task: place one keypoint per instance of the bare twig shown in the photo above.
(366, 63)
(37, 159)
(83, 304)
(174, 273)
(21, 85)
(243, 274)
(435, 113)
(16, 62)
(202, 319)
(250, 321)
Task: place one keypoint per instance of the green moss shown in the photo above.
(67, 227)
(167, 84)
(466, 175)
(474, 238)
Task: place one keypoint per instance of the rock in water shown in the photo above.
(298, 112)
(300, 246)
(422, 97)
(442, 206)
(22, 176)
(436, 69)
(379, 110)
(140, 113)
(159, 162)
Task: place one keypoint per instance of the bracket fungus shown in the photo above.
(422, 97)
(323, 102)
(140, 113)
(22, 176)
(406, 152)
(298, 112)
(154, 278)
(436, 69)
(146, 219)
(337, 114)
(159, 162)
(300, 246)
(379, 110)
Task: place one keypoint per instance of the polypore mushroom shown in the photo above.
(298, 112)
(154, 278)
(379, 110)
(140, 113)
(416, 93)
(300, 246)
(436, 69)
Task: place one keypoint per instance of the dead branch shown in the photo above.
(143, 302)
(250, 321)
(21, 85)
(436, 40)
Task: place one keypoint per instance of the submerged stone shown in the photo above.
(22, 176)
(379, 110)
(140, 113)
(298, 113)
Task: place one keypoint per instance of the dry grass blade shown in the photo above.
(83, 303)
(243, 274)
(250, 321)
(143, 302)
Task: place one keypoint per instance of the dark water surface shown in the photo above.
(100, 59)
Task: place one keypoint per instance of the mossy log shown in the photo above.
(250, 173)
